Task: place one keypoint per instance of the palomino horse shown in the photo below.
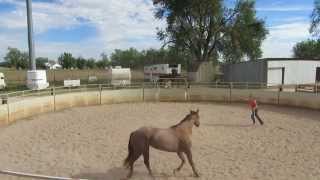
(173, 139)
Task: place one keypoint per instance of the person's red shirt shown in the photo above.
(253, 103)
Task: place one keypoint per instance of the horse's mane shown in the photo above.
(182, 121)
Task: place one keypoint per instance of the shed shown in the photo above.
(274, 71)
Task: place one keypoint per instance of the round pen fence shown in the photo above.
(22, 104)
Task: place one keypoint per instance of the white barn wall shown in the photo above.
(296, 71)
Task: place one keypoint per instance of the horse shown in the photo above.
(173, 139)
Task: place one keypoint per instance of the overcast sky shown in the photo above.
(89, 27)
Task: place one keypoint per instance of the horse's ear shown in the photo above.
(191, 111)
(197, 111)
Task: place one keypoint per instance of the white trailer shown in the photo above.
(120, 76)
(154, 72)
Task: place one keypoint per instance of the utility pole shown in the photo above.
(30, 35)
(36, 79)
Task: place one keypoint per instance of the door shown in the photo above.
(318, 74)
(276, 76)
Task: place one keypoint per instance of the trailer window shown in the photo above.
(2, 77)
(173, 66)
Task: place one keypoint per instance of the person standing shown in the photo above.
(254, 110)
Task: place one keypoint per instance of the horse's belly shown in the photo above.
(165, 142)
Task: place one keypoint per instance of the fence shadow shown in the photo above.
(229, 125)
(116, 173)
(120, 173)
(298, 112)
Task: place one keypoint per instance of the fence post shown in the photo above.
(8, 109)
(100, 90)
(230, 92)
(186, 92)
(247, 85)
(158, 93)
(143, 91)
(279, 91)
(316, 88)
(54, 98)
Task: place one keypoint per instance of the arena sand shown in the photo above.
(91, 142)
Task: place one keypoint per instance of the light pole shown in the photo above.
(30, 35)
(36, 79)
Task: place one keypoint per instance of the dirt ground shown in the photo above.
(91, 142)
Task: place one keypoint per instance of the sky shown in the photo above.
(88, 28)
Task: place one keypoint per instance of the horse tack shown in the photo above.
(173, 139)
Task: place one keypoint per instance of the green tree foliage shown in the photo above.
(165, 56)
(91, 63)
(315, 20)
(207, 29)
(41, 62)
(81, 63)
(104, 62)
(126, 58)
(17, 59)
(309, 49)
(67, 61)
(138, 59)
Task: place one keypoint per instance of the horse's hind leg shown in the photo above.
(189, 156)
(134, 157)
(146, 159)
(181, 156)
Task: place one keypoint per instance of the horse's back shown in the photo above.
(165, 139)
(162, 139)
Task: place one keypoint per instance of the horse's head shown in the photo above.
(195, 117)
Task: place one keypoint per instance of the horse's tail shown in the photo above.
(130, 153)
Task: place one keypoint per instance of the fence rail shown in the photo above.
(21, 104)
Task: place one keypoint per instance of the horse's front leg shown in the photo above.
(181, 156)
(189, 156)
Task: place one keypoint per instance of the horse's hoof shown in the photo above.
(129, 176)
(196, 175)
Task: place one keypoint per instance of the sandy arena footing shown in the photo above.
(91, 142)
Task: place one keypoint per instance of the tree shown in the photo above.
(126, 58)
(81, 63)
(41, 62)
(168, 55)
(315, 20)
(17, 59)
(91, 63)
(207, 29)
(104, 62)
(67, 61)
(309, 49)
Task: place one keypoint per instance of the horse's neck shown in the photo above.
(185, 127)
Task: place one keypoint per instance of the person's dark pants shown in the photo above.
(255, 114)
